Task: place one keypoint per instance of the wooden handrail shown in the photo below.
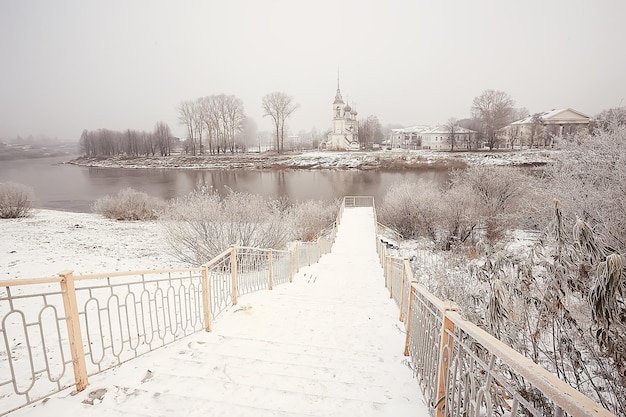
(29, 281)
(565, 396)
(262, 249)
(129, 273)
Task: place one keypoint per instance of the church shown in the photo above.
(344, 133)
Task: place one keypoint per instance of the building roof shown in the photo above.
(425, 129)
(567, 115)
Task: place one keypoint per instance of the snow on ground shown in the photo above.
(363, 160)
(51, 241)
(328, 344)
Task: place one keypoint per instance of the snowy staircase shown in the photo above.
(328, 344)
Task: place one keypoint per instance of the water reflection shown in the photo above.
(72, 188)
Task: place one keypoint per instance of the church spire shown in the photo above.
(338, 99)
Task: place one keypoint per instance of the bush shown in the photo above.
(411, 209)
(129, 204)
(589, 180)
(202, 225)
(310, 218)
(16, 200)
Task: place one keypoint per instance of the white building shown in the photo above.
(344, 133)
(440, 138)
(428, 137)
(540, 128)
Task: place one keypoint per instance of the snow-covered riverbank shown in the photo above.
(362, 160)
(49, 242)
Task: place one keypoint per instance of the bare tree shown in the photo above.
(87, 144)
(187, 117)
(611, 118)
(495, 109)
(221, 118)
(163, 137)
(370, 130)
(452, 127)
(279, 106)
(477, 126)
(536, 127)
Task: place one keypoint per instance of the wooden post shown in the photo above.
(206, 298)
(408, 322)
(297, 257)
(384, 262)
(402, 288)
(308, 253)
(233, 271)
(271, 280)
(291, 266)
(444, 357)
(390, 272)
(73, 329)
(319, 250)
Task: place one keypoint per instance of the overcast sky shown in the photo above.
(66, 66)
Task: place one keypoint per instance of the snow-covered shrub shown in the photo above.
(458, 217)
(589, 180)
(447, 217)
(16, 200)
(501, 193)
(310, 218)
(559, 301)
(203, 224)
(411, 209)
(128, 204)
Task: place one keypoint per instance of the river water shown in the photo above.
(67, 187)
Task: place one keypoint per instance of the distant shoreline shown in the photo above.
(397, 160)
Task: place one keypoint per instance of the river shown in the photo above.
(65, 187)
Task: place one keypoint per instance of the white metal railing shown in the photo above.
(58, 331)
(462, 369)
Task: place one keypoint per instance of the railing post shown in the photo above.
(308, 253)
(297, 256)
(206, 298)
(402, 289)
(271, 280)
(319, 250)
(445, 348)
(407, 340)
(291, 265)
(233, 271)
(390, 270)
(384, 262)
(73, 329)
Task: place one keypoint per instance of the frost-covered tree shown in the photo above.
(610, 118)
(163, 137)
(589, 180)
(278, 106)
(370, 131)
(495, 109)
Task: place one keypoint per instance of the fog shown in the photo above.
(73, 65)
